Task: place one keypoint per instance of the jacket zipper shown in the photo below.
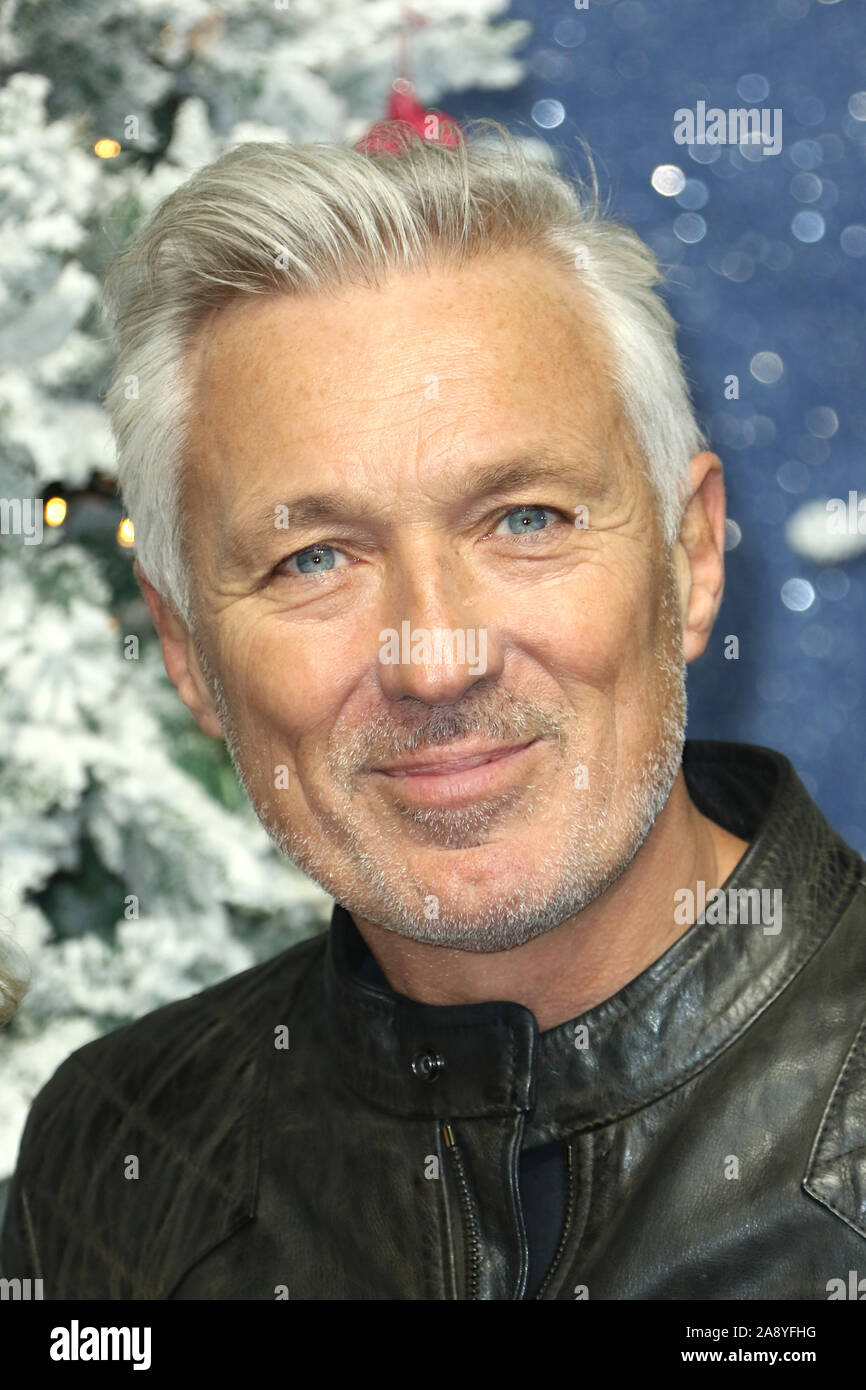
(566, 1228)
(470, 1215)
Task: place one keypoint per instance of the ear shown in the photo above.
(700, 552)
(180, 657)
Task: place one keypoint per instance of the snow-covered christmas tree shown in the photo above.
(132, 870)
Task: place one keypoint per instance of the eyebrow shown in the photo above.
(586, 475)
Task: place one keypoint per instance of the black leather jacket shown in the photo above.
(714, 1125)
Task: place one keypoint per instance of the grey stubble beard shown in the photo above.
(599, 846)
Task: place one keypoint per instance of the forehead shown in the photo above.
(434, 364)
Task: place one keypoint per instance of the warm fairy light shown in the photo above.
(106, 149)
(55, 511)
(126, 532)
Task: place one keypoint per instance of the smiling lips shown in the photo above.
(435, 764)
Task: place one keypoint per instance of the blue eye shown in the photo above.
(524, 519)
(314, 560)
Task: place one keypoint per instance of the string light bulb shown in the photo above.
(54, 511)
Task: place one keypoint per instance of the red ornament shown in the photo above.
(405, 110)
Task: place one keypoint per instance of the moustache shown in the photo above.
(380, 740)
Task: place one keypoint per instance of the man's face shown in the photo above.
(557, 600)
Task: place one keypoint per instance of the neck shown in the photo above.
(586, 959)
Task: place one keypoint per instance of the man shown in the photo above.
(428, 533)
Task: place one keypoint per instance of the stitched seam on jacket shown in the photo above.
(127, 1111)
(85, 1238)
(132, 1116)
(132, 1111)
(582, 1175)
(263, 1071)
(834, 1103)
(843, 1216)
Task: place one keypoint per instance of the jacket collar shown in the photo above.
(649, 1038)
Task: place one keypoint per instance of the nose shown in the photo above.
(434, 643)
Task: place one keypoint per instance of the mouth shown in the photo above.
(445, 776)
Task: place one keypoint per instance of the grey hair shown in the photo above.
(15, 977)
(272, 218)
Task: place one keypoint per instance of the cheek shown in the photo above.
(600, 633)
(283, 682)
